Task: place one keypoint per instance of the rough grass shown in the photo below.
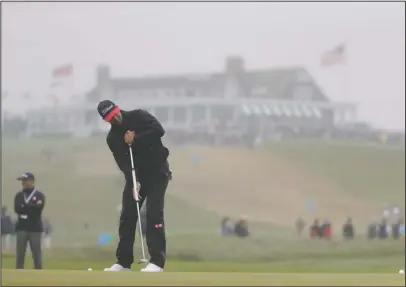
(370, 172)
(275, 183)
(72, 182)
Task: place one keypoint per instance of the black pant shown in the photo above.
(34, 239)
(154, 191)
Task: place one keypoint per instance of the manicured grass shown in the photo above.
(98, 278)
(264, 249)
(375, 264)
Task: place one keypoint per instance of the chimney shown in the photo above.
(104, 84)
(234, 69)
(234, 65)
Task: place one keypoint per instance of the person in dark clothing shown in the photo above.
(315, 230)
(396, 229)
(372, 230)
(383, 229)
(348, 229)
(143, 132)
(326, 229)
(7, 228)
(241, 227)
(29, 204)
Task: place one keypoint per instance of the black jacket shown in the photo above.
(150, 155)
(241, 229)
(29, 213)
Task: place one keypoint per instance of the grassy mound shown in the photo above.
(272, 185)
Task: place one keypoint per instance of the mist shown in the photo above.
(137, 39)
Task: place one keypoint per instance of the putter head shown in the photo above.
(143, 261)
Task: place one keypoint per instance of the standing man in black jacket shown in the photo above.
(143, 132)
(28, 204)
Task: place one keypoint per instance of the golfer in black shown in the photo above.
(143, 132)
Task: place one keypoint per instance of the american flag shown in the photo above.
(62, 83)
(333, 56)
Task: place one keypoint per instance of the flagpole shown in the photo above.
(347, 73)
(72, 86)
(72, 81)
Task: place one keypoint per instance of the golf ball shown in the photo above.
(89, 269)
(401, 271)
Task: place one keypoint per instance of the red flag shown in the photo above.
(63, 71)
(333, 56)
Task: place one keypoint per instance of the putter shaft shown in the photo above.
(137, 199)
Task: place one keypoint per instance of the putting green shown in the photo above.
(99, 278)
(371, 265)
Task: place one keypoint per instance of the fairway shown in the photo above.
(99, 278)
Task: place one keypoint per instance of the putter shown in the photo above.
(143, 260)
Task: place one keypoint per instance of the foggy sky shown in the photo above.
(138, 39)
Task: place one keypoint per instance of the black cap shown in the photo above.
(107, 109)
(25, 176)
